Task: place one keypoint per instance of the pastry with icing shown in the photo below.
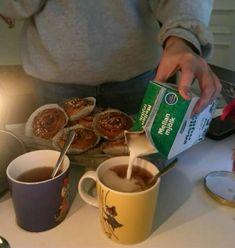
(77, 108)
(46, 121)
(110, 124)
(84, 140)
(115, 147)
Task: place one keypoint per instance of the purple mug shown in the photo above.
(39, 205)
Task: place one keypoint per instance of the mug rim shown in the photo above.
(157, 183)
(12, 163)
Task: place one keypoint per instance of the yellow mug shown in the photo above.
(126, 218)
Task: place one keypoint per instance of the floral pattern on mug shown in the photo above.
(64, 206)
(109, 215)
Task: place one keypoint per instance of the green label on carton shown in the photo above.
(147, 105)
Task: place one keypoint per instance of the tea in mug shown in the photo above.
(37, 174)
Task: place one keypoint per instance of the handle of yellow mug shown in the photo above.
(88, 198)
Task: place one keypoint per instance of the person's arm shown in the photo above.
(186, 19)
(186, 40)
(20, 9)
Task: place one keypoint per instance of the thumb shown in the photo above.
(164, 71)
(185, 82)
(160, 74)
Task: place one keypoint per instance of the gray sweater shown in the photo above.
(97, 41)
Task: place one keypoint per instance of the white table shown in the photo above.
(186, 216)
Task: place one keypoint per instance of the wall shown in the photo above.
(222, 24)
(10, 44)
(16, 88)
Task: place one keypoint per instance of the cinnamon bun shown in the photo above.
(84, 140)
(110, 124)
(46, 121)
(76, 108)
(115, 147)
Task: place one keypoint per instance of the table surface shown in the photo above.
(186, 216)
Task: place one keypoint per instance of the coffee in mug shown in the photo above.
(115, 178)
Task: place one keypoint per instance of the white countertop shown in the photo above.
(186, 217)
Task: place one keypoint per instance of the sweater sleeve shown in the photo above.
(186, 19)
(21, 9)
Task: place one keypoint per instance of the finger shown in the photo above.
(185, 81)
(208, 91)
(217, 85)
(165, 71)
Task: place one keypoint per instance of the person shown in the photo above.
(111, 49)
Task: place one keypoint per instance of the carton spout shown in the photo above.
(138, 143)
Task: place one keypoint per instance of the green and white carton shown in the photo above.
(167, 119)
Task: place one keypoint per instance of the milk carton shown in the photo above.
(167, 119)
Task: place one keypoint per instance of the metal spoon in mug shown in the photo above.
(153, 179)
(65, 148)
(4, 243)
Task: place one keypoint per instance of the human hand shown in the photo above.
(179, 56)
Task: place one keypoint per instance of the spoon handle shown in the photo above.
(163, 171)
(65, 148)
(168, 167)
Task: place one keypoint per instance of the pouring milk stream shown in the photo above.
(138, 144)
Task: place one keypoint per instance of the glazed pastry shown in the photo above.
(84, 140)
(111, 123)
(77, 108)
(46, 121)
(115, 147)
(85, 121)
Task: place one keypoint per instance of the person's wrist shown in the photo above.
(174, 40)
